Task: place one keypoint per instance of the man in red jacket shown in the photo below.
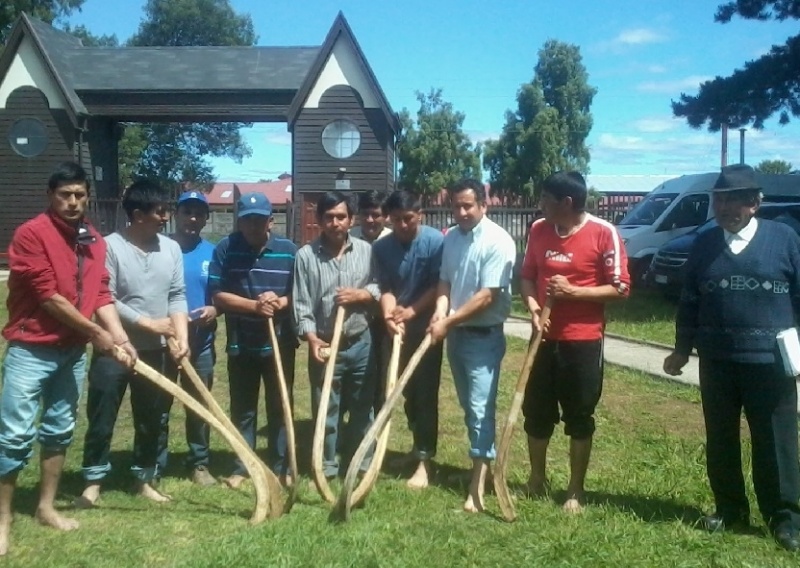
(58, 282)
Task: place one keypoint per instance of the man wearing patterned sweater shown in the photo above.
(742, 288)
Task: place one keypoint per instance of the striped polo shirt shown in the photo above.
(238, 269)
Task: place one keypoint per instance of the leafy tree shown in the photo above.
(774, 167)
(548, 130)
(433, 149)
(762, 88)
(46, 10)
(178, 153)
(89, 39)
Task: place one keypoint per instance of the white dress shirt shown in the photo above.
(738, 241)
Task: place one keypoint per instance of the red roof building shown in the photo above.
(279, 192)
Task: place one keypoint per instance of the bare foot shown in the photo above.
(573, 506)
(234, 481)
(50, 518)
(5, 534)
(149, 492)
(89, 497)
(420, 478)
(473, 504)
(536, 488)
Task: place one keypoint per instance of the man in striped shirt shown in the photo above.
(336, 270)
(250, 280)
(580, 261)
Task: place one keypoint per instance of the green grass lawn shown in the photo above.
(647, 489)
(646, 315)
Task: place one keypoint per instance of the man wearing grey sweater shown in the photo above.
(146, 280)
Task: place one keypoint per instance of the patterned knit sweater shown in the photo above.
(733, 306)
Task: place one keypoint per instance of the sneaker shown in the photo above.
(202, 477)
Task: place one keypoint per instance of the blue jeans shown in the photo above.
(32, 373)
(197, 429)
(475, 357)
(150, 406)
(352, 392)
(245, 375)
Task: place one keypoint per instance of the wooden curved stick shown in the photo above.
(346, 502)
(288, 418)
(322, 411)
(264, 478)
(500, 482)
(243, 451)
(369, 479)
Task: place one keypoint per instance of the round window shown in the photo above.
(341, 139)
(28, 137)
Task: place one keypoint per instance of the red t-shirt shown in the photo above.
(592, 256)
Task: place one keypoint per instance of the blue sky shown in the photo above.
(639, 56)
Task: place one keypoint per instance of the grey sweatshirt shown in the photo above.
(145, 285)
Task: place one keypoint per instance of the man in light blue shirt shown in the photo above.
(473, 301)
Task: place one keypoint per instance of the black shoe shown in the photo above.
(720, 522)
(787, 539)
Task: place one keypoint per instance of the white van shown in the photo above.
(679, 205)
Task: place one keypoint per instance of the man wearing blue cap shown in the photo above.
(250, 280)
(191, 214)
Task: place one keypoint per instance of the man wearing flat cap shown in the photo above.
(742, 289)
(250, 280)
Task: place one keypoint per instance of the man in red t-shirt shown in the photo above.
(580, 261)
(58, 282)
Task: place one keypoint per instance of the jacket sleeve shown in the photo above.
(689, 303)
(104, 296)
(27, 258)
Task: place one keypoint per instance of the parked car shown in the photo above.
(679, 205)
(666, 269)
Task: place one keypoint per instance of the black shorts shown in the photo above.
(568, 374)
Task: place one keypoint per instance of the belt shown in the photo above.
(479, 329)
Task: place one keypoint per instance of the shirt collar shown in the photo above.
(317, 245)
(746, 234)
(69, 231)
(477, 230)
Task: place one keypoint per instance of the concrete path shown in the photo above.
(646, 357)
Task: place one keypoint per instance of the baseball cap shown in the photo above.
(253, 204)
(193, 195)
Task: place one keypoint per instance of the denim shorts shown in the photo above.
(38, 377)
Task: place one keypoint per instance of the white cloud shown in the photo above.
(278, 138)
(656, 69)
(657, 124)
(638, 36)
(683, 150)
(673, 86)
(628, 38)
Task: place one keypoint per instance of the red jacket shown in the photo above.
(43, 261)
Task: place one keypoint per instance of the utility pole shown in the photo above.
(724, 149)
(741, 145)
